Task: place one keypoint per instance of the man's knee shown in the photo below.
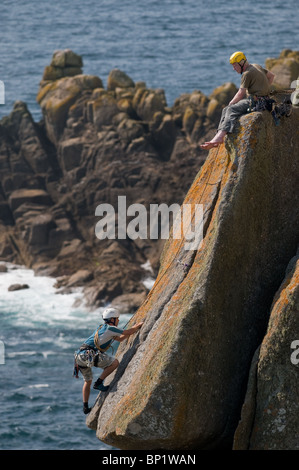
(115, 363)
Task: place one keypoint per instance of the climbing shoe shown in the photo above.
(86, 408)
(99, 385)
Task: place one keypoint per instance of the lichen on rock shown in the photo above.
(182, 381)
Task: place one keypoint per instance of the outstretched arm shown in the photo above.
(238, 96)
(129, 332)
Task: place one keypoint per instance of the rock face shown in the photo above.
(269, 419)
(92, 146)
(182, 380)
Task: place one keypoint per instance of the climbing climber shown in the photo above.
(254, 87)
(92, 353)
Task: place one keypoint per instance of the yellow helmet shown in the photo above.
(237, 57)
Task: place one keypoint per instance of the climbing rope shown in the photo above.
(184, 265)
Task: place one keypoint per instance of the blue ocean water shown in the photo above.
(177, 45)
(41, 401)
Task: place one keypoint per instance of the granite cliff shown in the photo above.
(227, 323)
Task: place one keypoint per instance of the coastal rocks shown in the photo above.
(182, 379)
(57, 97)
(285, 68)
(64, 64)
(23, 155)
(82, 99)
(94, 144)
(119, 79)
(198, 114)
(15, 287)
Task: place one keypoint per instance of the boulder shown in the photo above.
(15, 287)
(119, 79)
(147, 103)
(64, 63)
(66, 58)
(57, 97)
(285, 67)
(181, 380)
(35, 196)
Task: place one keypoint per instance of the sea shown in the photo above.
(177, 45)
(41, 328)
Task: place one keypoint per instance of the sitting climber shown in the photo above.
(92, 353)
(255, 85)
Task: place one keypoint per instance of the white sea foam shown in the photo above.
(41, 303)
(149, 280)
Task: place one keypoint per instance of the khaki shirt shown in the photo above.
(255, 80)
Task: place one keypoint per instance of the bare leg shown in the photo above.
(108, 370)
(217, 140)
(86, 391)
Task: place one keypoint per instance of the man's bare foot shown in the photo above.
(210, 145)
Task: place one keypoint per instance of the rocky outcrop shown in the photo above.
(63, 64)
(14, 287)
(182, 381)
(285, 67)
(93, 145)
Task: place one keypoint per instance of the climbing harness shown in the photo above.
(261, 103)
(266, 103)
(90, 354)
